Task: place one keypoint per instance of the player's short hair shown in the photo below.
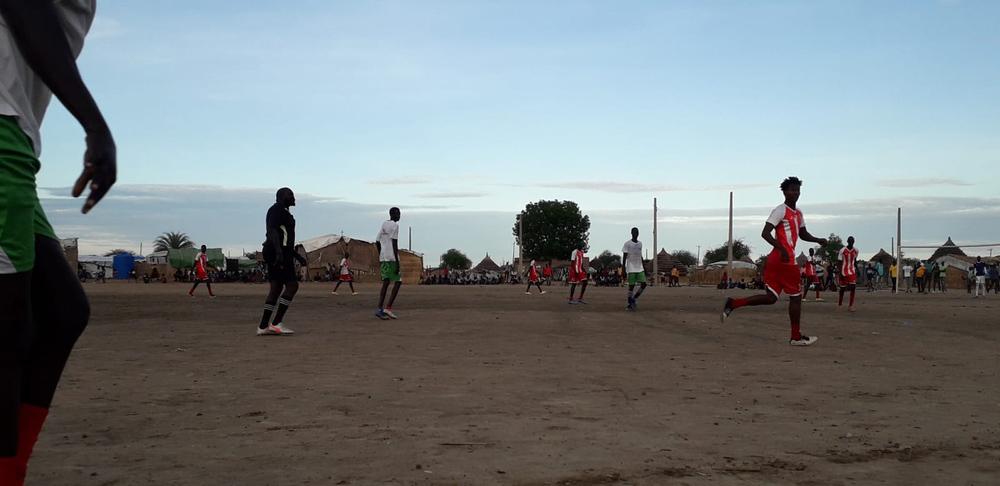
(281, 192)
(393, 209)
(790, 181)
(635, 229)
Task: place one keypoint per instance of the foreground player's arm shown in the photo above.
(40, 38)
(624, 259)
(806, 236)
(395, 252)
(274, 233)
(768, 235)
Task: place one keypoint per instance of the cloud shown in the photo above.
(450, 195)
(399, 181)
(922, 182)
(105, 28)
(628, 187)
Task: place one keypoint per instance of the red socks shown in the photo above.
(796, 334)
(30, 420)
(852, 298)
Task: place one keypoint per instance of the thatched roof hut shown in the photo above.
(948, 248)
(486, 266)
(882, 256)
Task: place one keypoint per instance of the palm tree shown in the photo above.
(172, 240)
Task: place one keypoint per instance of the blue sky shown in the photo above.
(460, 112)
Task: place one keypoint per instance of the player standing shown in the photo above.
(848, 258)
(577, 275)
(201, 272)
(632, 262)
(533, 279)
(279, 251)
(387, 244)
(345, 274)
(781, 274)
(44, 307)
(979, 269)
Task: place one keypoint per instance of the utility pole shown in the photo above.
(731, 235)
(520, 242)
(410, 245)
(656, 274)
(697, 261)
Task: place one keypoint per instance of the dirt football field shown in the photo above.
(487, 385)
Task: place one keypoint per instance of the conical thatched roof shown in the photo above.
(882, 256)
(487, 265)
(948, 248)
(666, 261)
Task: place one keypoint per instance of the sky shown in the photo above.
(461, 112)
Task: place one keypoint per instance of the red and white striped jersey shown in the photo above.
(577, 261)
(787, 222)
(201, 262)
(848, 261)
(345, 266)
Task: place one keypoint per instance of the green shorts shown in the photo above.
(389, 272)
(636, 278)
(21, 215)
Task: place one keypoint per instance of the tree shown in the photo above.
(119, 251)
(172, 240)
(606, 261)
(552, 229)
(455, 260)
(833, 246)
(740, 251)
(685, 257)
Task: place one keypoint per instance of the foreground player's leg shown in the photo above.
(539, 285)
(528, 289)
(208, 285)
(572, 292)
(380, 312)
(15, 322)
(760, 299)
(265, 328)
(795, 315)
(853, 289)
(392, 298)
(291, 288)
(350, 283)
(840, 300)
(335, 287)
(583, 288)
(191, 292)
(60, 312)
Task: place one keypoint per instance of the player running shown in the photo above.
(781, 274)
(848, 263)
(387, 244)
(811, 277)
(577, 276)
(44, 307)
(632, 262)
(345, 274)
(279, 251)
(201, 272)
(533, 279)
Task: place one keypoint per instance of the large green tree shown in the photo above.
(833, 246)
(686, 257)
(455, 260)
(172, 240)
(606, 261)
(553, 229)
(740, 250)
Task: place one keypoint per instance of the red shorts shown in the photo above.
(346, 278)
(576, 277)
(202, 275)
(781, 277)
(846, 280)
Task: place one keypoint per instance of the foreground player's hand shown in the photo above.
(822, 241)
(100, 168)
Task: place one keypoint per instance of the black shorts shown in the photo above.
(284, 274)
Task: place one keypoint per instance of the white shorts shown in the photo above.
(980, 279)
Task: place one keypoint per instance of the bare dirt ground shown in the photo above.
(486, 385)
